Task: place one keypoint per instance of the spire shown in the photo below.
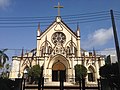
(72, 47)
(46, 45)
(38, 31)
(78, 30)
(78, 41)
(22, 54)
(94, 53)
(58, 8)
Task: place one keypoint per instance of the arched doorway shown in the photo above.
(58, 70)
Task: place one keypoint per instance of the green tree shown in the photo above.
(7, 66)
(34, 72)
(3, 57)
(5, 73)
(80, 71)
(110, 72)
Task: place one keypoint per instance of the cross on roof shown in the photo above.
(58, 8)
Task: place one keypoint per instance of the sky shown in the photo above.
(96, 34)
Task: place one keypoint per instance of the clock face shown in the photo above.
(58, 37)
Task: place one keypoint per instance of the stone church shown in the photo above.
(58, 50)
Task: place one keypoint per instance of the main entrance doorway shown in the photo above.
(58, 70)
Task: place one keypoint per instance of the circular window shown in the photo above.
(58, 37)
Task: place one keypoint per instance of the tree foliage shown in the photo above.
(110, 72)
(34, 71)
(6, 84)
(7, 66)
(3, 57)
(80, 71)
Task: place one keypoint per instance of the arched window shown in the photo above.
(42, 51)
(26, 73)
(75, 51)
(68, 50)
(91, 74)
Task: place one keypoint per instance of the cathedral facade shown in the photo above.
(58, 51)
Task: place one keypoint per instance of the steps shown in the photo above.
(57, 84)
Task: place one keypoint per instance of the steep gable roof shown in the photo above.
(62, 22)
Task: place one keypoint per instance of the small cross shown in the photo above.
(58, 8)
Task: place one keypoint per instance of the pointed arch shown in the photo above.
(91, 74)
(71, 47)
(25, 70)
(25, 73)
(42, 48)
(57, 58)
(58, 66)
(67, 44)
(92, 67)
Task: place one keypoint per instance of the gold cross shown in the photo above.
(58, 8)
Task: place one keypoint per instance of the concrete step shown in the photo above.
(57, 84)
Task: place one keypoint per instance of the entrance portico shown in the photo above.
(58, 70)
(59, 65)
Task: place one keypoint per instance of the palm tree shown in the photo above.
(3, 57)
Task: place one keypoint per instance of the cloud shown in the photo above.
(4, 4)
(108, 51)
(98, 38)
(111, 52)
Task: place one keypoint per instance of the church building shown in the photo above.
(58, 50)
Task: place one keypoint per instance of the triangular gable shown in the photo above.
(69, 29)
(52, 25)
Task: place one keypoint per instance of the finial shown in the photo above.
(58, 8)
(39, 26)
(22, 54)
(78, 30)
(94, 53)
(46, 38)
(71, 41)
(46, 41)
(46, 45)
(38, 31)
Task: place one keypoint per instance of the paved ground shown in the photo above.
(55, 85)
(59, 89)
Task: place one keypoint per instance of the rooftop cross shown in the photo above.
(58, 8)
